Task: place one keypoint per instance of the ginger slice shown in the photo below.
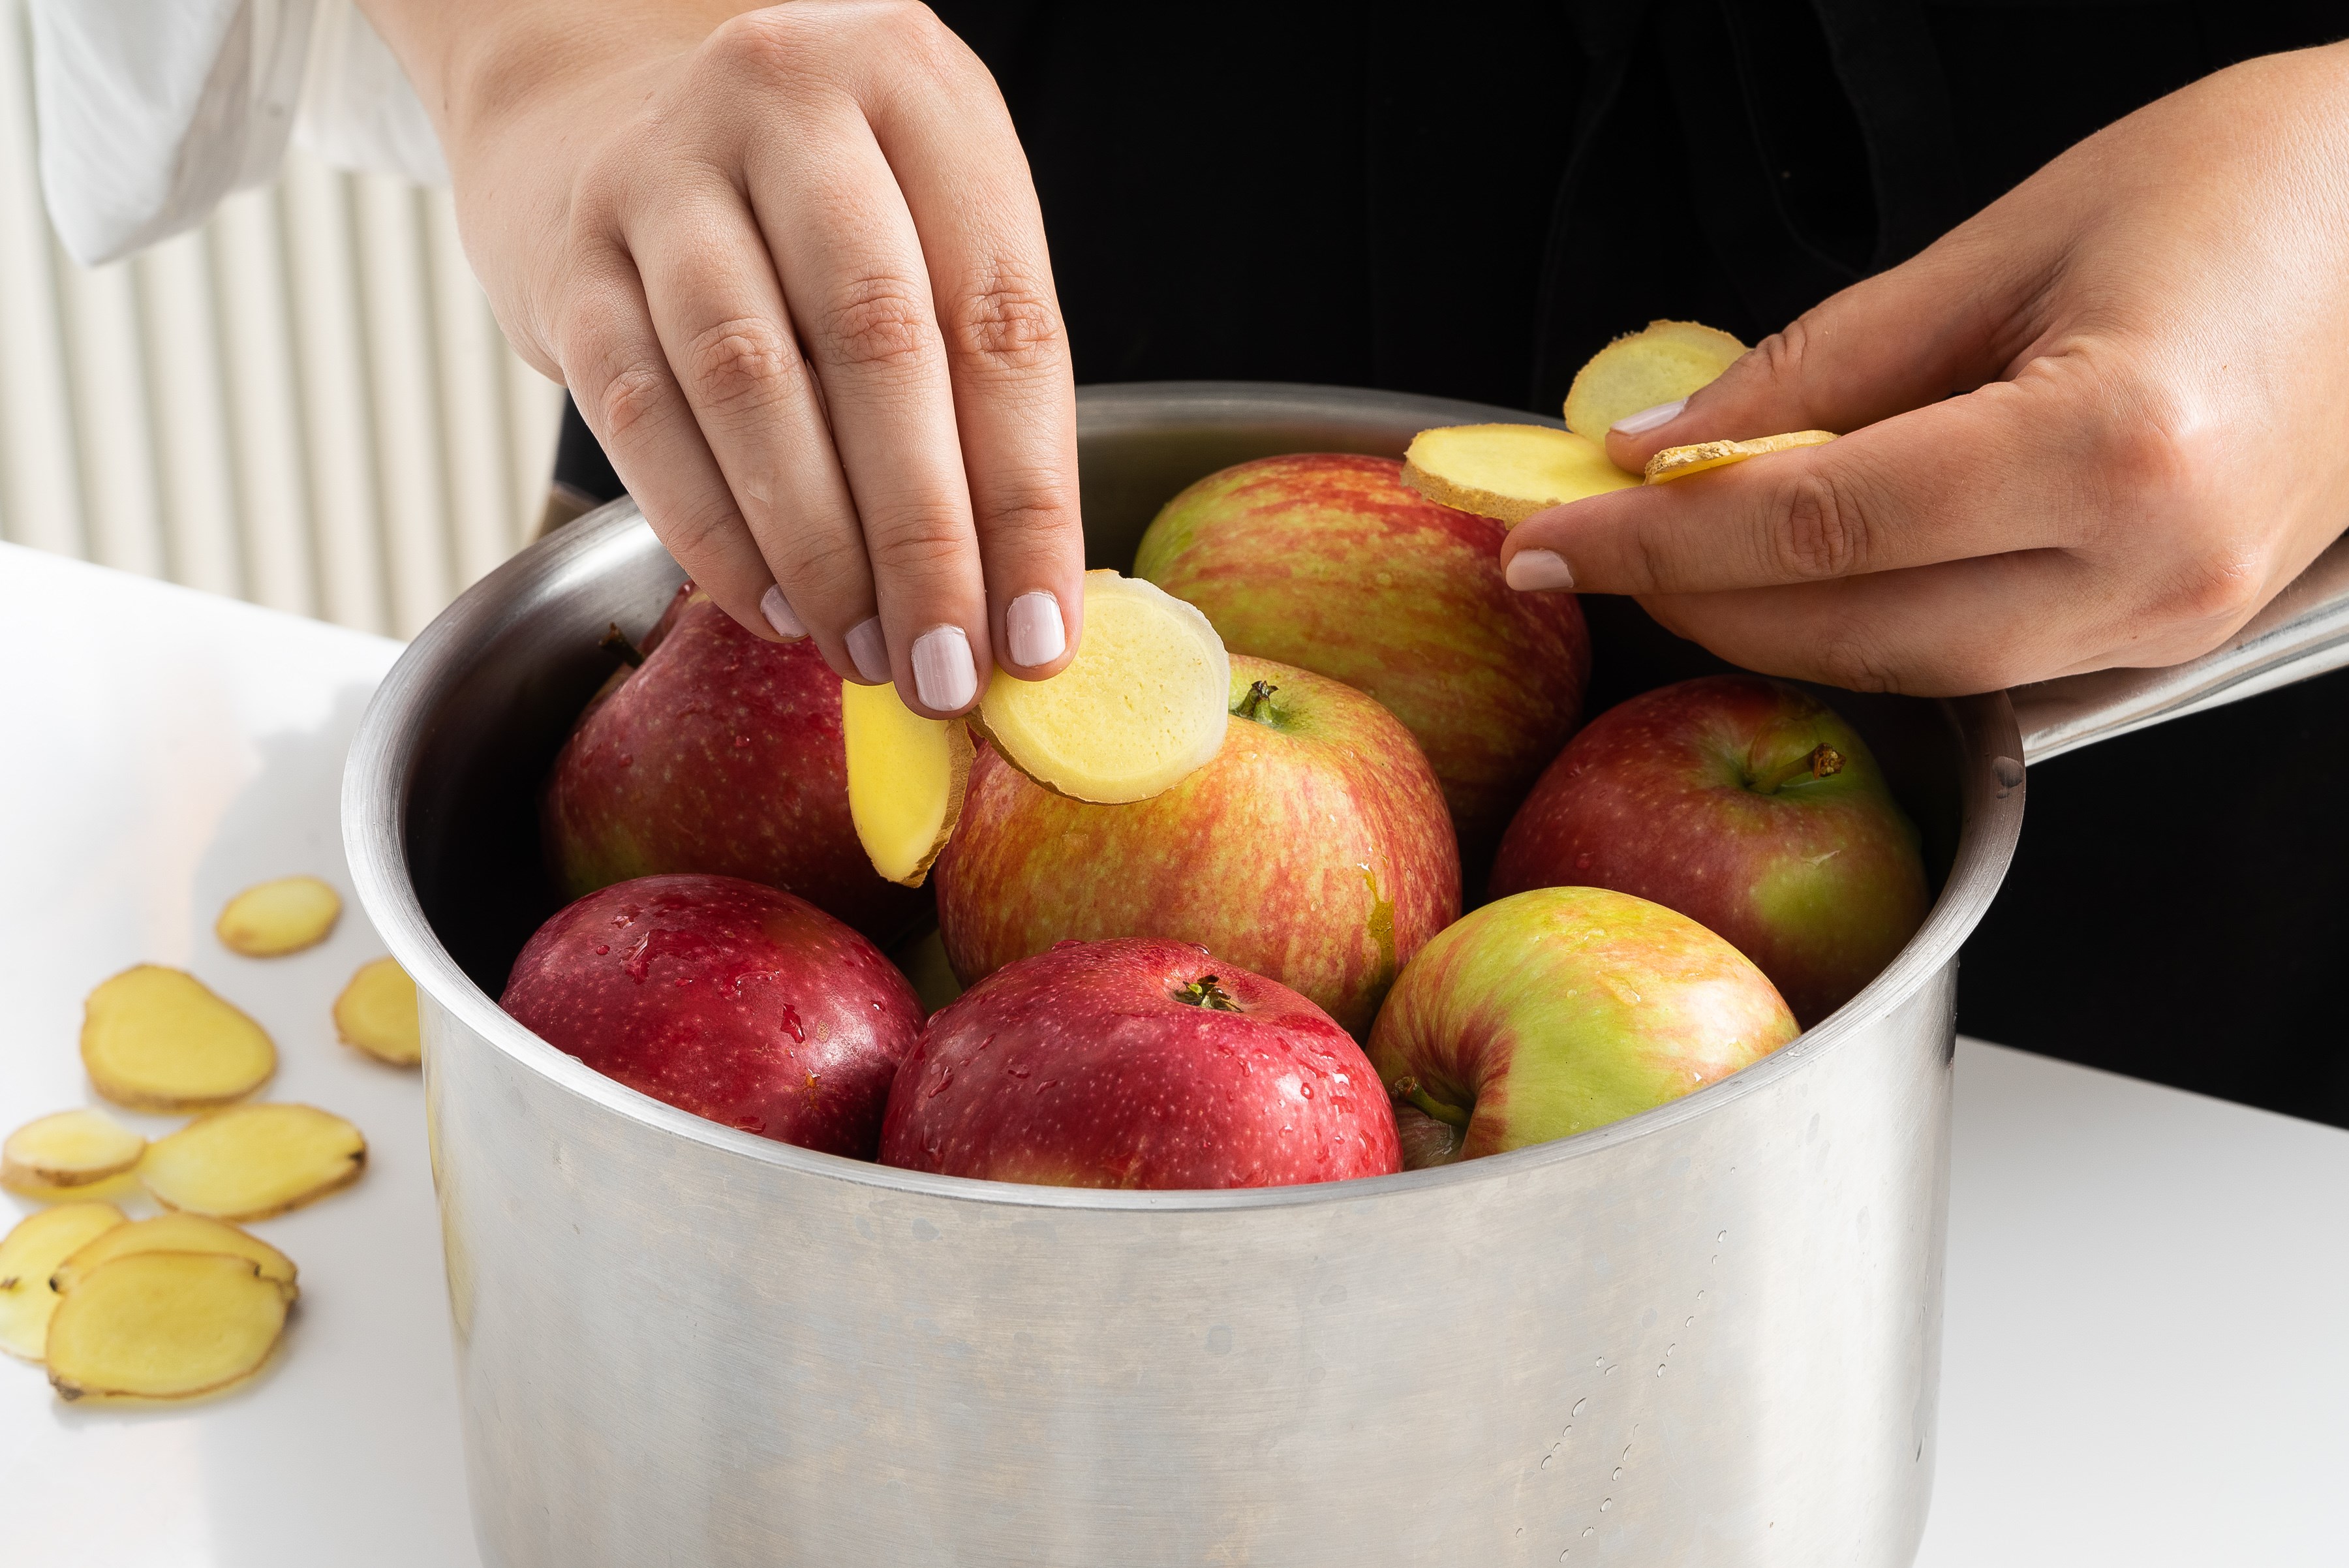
(165, 1325)
(906, 779)
(29, 1254)
(1141, 707)
(249, 1162)
(1661, 364)
(377, 1013)
(172, 1233)
(1680, 462)
(1508, 472)
(269, 919)
(68, 1148)
(158, 1039)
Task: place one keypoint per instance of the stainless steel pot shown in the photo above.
(1709, 1334)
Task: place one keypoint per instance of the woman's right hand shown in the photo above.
(791, 266)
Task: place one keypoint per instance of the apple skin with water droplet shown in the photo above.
(1137, 1063)
(1552, 1012)
(1314, 849)
(1697, 797)
(726, 998)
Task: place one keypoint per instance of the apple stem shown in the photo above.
(1207, 991)
(1258, 694)
(1409, 1088)
(616, 641)
(1821, 762)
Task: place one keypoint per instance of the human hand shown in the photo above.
(791, 264)
(2100, 423)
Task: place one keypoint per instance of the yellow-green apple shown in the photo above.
(721, 752)
(1751, 807)
(1551, 1013)
(1137, 1063)
(729, 999)
(1327, 562)
(1313, 849)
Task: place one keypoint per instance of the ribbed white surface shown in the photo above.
(307, 404)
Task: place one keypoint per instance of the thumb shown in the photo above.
(1942, 323)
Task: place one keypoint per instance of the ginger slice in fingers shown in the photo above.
(269, 919)
(158, 1039)
(249, 1162)
(1140, 708)
(165, 1325)
(29, 1254)
(377, 1013)
(172, 1233)
(1680, 462)
(1663, 363)
(1508, 472)
(66, 1149)
(907, 775)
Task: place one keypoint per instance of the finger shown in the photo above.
(614, 364)
(2008, 466)
(966, 182)
(855, 283)
(727, 333)
(1946, 321)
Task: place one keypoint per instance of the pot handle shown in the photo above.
(2303, 631)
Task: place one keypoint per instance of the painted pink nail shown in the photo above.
(869, 650)
(1035, 630)
(1647, 420)
(778, 612)
(1538, 571)
(944, 676)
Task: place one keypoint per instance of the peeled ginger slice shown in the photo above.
(377, 1013)
(172, 1233)
(249, 1162)
(1639, 370)
(165, 1325)
(269, 919)
(68, 1148)
(906, 775)
(1141, 707)
(1508, 472)
(157, 1039)
(28, 1255)
(1680, 462)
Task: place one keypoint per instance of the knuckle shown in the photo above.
(1030, 519)
(630, 394)
(877, 322)
(1822, 533)
(1851, 657)
(2217, 587)
(1011, 326)
(924, 541)
(764, 46)
(745, 365)
(695, 532)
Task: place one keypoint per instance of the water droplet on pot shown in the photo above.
(1588, 1530)
(1578, 1406)
(1547, 1458)
(1605, 1504)
(1618, 1475)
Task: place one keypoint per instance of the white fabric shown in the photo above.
(151, 111)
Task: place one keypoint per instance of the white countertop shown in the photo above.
(2145, 1361)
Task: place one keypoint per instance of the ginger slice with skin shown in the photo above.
(907, 775)
(158, 1039)
(269, 919)
(1142, 706)
(1663, 363)
(1508, 472)
(29, 1254)
(377, 1013)
(172, 1233)
(249, 1162)
(1680, 462)
(66, 1149)
(165, 1325)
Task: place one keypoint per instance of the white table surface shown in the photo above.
(2145, 1359)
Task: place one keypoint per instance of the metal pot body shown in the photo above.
(1706, 1335)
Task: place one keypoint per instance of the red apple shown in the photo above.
(1314, 849)
(1137, 1063)
(1561, 1009)
(720, 753)
(1327, 562)
(1749, 806)
(728, 999)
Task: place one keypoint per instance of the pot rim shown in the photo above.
(383, 755)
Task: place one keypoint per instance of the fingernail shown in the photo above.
(1035, 630)
(944, 676)
(778, 612)
(1647, 420)
(1538, 571)
(869, 650)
